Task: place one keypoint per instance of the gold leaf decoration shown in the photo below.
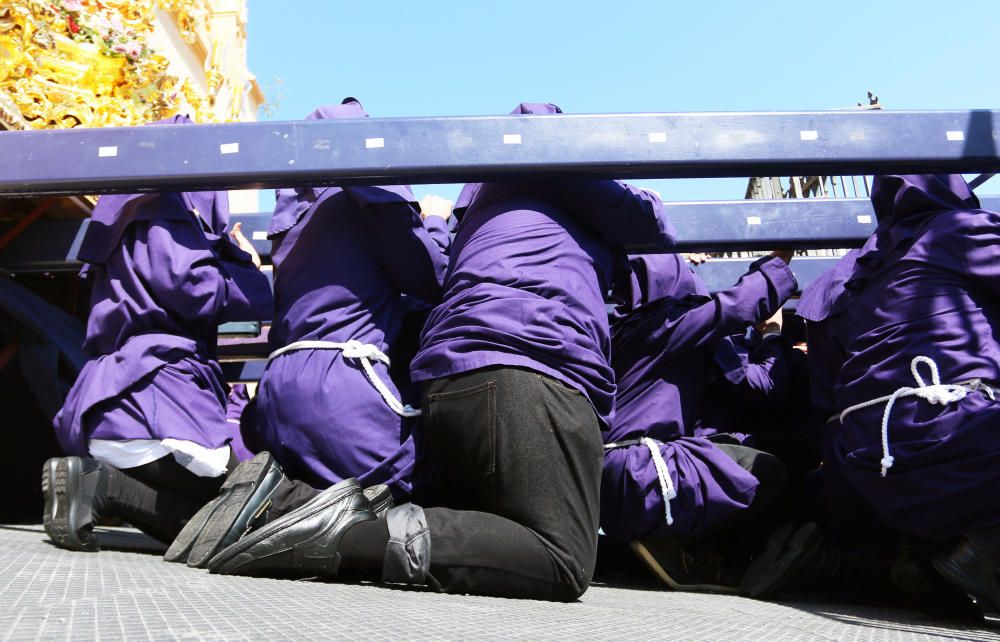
(71, 63)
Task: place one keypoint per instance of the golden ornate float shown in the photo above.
(69, 63)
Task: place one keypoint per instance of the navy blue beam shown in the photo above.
(804, 223)
(720, 274)
(460, 149)
(50, 245)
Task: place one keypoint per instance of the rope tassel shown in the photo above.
(934, 392)
(666, 484)
(364, 353)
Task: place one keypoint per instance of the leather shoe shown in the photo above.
(241, 506)
(302, 543)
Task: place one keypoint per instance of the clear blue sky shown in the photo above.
(441, 58)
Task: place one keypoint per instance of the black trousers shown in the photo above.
(518, 462)
(159, 497)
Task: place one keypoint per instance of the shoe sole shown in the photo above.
(60, 482)
(380, 498)
(236, 495)
(225, 563)
(180, 548)
(780, 560)
(650, 561)
(970, 583)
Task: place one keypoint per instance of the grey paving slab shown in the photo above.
(50, 594)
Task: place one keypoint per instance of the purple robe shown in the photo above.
(659, 354)
(855, 528)
(164, 276)
(749, 385)
(929, 287)
(531, 263)
(342, 259)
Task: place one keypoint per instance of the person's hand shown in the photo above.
(772, 325)
(695, 258)
(244, 243)
(784, 255)
(434, 205)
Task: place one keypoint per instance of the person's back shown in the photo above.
(330, 277)
(928, 289)
(525, 289)
(342, 259)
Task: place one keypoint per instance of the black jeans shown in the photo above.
(518, 457)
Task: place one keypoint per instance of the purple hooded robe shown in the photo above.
(855, 528)
(531, 262)
(164, 276)
(930, 287)
(658, 355)
(342, 258)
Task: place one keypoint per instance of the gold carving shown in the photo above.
(69, 63)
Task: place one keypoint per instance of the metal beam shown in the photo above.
(460, 149)
(50, 245)
(720, 274)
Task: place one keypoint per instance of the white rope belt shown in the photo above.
(666, 484)
(935, 392)
(365, 353)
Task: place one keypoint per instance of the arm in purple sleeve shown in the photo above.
(978, 246)
(759, 373)
(249, 296)
(439, 231)
(178, 265)
(412, 254)
(756, 296)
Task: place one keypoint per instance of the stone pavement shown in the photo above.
(50, 594)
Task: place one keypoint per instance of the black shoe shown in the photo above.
(973, 565)
(302, 543)
(924, 588)
(240, 507)
(71, 486)
(380, 498)
(787, 561)
(693, 567)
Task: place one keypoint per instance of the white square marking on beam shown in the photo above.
(657, 137)
(753, 220)
(808, 134)
(864, 218)
(374, 143)
(511, 139)
(229, 148)
(957, 136)
(259, 235)
(105, 152)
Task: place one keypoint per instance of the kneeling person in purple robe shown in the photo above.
(517, 386)
(664, 489)
(327, 409)
(145, 421)
(917, 392)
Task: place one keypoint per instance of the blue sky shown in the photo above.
(442, 58)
